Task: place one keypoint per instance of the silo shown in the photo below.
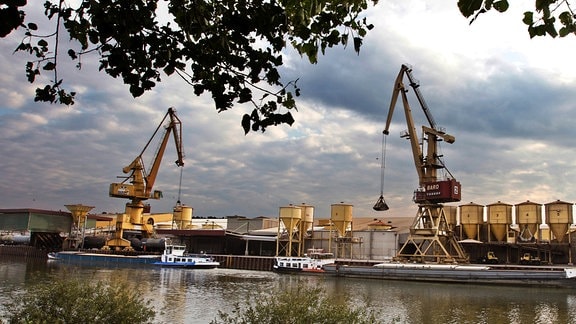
(451, 213)
(307, 217)
(290, 216)
(182, 216)
(471, 216)
(528, 217)
(558, 218)
(499, 219)
(341, 216)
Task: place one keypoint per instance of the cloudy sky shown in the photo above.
(508, 100)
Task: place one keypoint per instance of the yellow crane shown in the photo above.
(138, 185)
(430, 237)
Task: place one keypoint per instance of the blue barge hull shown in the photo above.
(106, 259)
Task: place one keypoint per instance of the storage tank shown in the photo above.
(451, 213)
(499, 219)
(471, 216)
(341, 216)
(183, 216)
(528, 217)
(153, 244)
(307, 217)
(94, 242)
(559, 218)
(290, 216)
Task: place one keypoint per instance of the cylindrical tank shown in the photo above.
(94, 242)
(341, 216)
(499, 219)
(471, 216)
(558, 218)
(135, 243)
(152, 244)
(451, 213)
(528, 217)
(183, 216)
(307, 217)
(290, 216)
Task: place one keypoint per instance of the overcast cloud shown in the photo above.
(508, 100)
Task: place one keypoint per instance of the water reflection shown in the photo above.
(195, 296)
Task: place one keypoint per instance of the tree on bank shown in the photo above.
(231, 49)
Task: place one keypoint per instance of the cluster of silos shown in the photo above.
(297, 221)
(182, 217)
(528, 219)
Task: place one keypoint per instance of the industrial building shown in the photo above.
(509, 231)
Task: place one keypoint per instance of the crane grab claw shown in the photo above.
(381, 204)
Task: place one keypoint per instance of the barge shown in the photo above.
(548, 276)
(312, 262)
(105, 258)
(176, 256)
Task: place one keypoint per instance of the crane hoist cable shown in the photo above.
(178, 202)
(381, 203)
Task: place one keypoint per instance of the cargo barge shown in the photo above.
(549, 276)
(100, 258)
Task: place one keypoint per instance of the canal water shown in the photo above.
(195, 296)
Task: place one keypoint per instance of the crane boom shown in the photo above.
(431, 189)
(142, 182)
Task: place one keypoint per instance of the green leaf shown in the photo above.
(469, 7)
(528, 18)
(357, 44)
(49, 66)
(501, 6)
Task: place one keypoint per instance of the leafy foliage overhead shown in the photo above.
(550, 17)
(231, 49)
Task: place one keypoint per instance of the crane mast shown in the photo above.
(431, 237)
(431, 189)
(138, 185)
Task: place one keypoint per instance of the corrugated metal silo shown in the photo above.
(528, 217)
(499, 219)
(558, 218)
(471, 216)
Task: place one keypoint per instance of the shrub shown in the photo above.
(74, 301)
(297, 305)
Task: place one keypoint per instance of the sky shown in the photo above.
(507, 99)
